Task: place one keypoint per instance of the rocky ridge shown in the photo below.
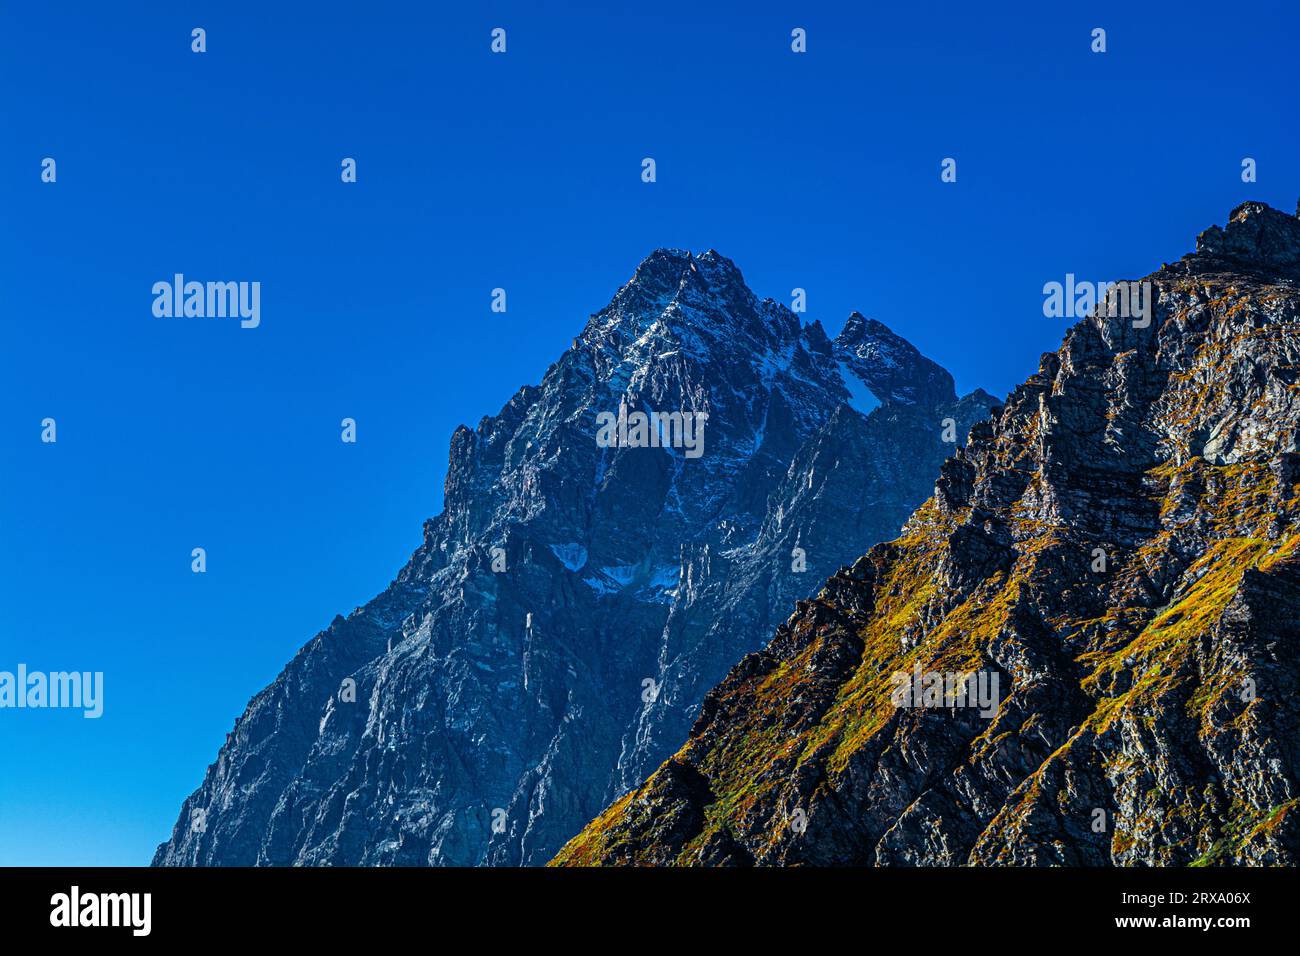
(1117, 544)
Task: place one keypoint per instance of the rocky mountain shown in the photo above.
(549, 643)
(1084, 649)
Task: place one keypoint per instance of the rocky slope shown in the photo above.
(1117, 546)
(550, 641)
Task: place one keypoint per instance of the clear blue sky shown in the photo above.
(476, 171)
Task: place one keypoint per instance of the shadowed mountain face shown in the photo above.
(1119, 549)
(549, 643)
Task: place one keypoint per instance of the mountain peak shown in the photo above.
(858, 326)
(890, 365)
(666, 269)
(692, 301)
(1256, 235)
(502, 675)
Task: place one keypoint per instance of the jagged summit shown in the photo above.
(666, 273)
(890, 365)
(699, 305)
(1117, 552)
(551, 639)
(1256, 236)
(676, 299)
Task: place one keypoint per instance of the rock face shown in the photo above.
(1117, 547)
(549, 643)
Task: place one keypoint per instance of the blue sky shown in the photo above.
(478, 171)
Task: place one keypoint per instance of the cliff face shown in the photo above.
(1116, 553)
(550, 641)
